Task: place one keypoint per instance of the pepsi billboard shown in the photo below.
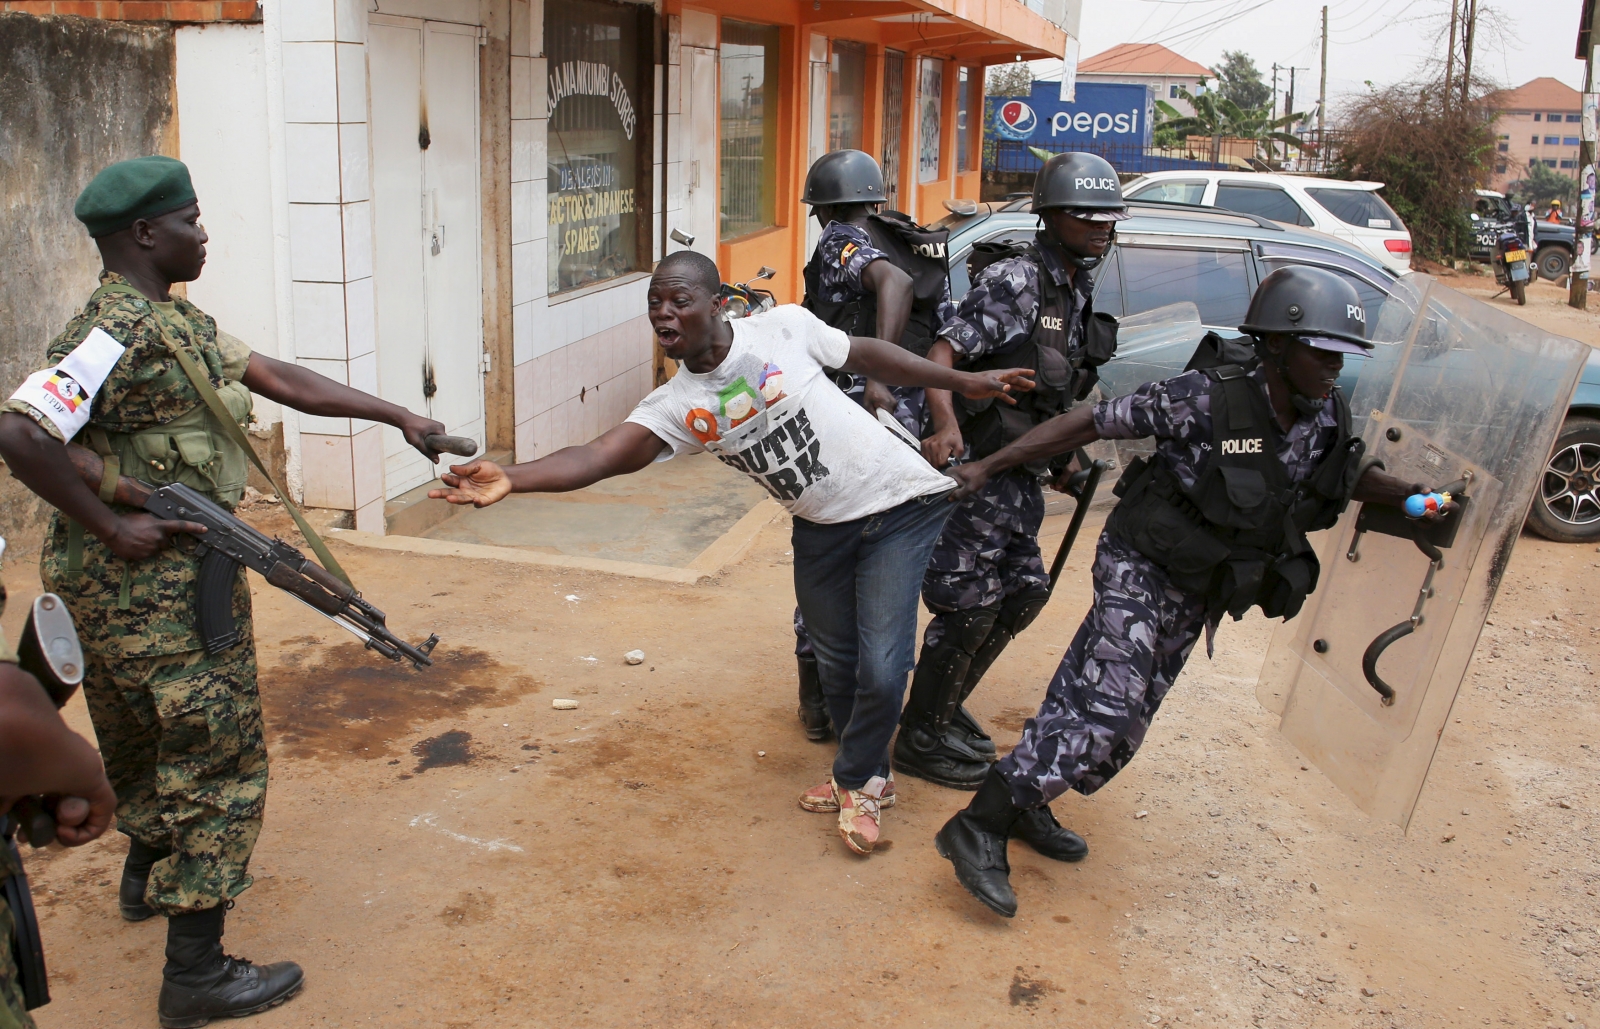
(1104, 113)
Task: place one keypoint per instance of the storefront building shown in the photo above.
(456, 204)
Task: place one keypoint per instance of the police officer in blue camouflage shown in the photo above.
(1029, 305)
(1249, 457)
(873, 273)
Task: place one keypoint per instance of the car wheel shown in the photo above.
(1553, 262)
(1567, 507)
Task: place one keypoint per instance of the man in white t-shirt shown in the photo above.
(867, 508)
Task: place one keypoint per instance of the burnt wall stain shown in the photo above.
(76, 94)
(343, 701)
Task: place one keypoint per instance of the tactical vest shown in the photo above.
(1238, 536)
(193, 448)
(917, 251)
(1063, 354)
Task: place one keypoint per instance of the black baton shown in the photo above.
(1081, 487)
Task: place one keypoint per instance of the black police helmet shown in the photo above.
(844, 177)
(1313, 304)
(1081, 182)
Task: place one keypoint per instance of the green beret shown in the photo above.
(129, 190)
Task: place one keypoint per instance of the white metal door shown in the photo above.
(427, 280)
(700, 217)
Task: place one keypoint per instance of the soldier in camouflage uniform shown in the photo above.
(1243, 453)
(40, 755)
(870, 275)
(987, 581)
(180, 728)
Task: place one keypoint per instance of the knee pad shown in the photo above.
(1018, 611)
(968, 629)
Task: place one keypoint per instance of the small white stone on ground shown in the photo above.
(761, 753)
(564, 705)
(634, 657)
(1142, 814)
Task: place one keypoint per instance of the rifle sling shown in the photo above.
(203, 386)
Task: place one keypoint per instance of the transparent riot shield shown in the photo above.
(1455, 394)
(1151, 346)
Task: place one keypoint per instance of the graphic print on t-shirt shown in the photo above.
(784, 460)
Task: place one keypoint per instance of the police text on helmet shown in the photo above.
(1356, 312)
(1094, 183)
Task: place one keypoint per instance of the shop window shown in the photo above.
(749, 126)
(966, 81)
(847, 89)
(930, 112)
(593, 104)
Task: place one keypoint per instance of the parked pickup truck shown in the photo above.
(1493, 214)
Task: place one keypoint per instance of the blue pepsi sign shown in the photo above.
(1104, 113)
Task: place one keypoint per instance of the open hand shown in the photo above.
(139, 535)
(479, 483)
(970, 478)
(984, 385)
(417, 429)
(943, 446)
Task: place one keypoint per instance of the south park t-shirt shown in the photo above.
(771, 411)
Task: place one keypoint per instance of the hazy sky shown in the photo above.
(1380, 40)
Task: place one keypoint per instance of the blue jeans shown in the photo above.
(858, 584)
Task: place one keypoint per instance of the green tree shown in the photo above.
(1543, 184)
(1009, 79)
(1240, 80)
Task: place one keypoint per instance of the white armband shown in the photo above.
(65, 393)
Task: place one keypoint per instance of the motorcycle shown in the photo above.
(1511, 266)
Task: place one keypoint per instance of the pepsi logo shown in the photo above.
(1016, 120)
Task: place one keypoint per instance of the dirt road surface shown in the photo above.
(444, 849)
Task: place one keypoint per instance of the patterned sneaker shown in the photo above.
(820, 799)
(859, 811)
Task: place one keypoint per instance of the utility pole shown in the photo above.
(1578, 278)
(1469, 29)
(1290, 110)
(1322, 96)
(1450, 52)
(1275, 91)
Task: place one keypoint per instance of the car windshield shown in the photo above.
(1360, 207)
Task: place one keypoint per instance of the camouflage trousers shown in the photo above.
(12, 1013)
(989, 550)
(1129, 649)
(181, 737)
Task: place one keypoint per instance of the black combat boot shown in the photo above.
(1015, 614)
(974, 841)
(927, 747)
(813, 709)
(1038, 828)
(965, 730)
(135, 877)
(200, 982)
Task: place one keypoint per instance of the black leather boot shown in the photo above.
(200, 982)
(970, 734)
(1015, 614)
(1038, 828)
(813, 709)
(135, 877)
(974, 841)
(927, 746)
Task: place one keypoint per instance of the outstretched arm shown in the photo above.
(626, 448)
(894, 366)
(305, 390)
(1060, 435)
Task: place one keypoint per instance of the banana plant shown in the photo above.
(1217, 116)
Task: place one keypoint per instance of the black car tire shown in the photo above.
(1553, 262)
(1567, 507)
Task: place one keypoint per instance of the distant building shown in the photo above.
(1149, 64)
(1535, 122)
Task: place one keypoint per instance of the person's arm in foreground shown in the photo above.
(945, 444)
(895, 366)
(40, 755)
(893, 289)
(626, 448)
(306, 391)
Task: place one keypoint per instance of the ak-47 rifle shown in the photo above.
(229, 542)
